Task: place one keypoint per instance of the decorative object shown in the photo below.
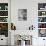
(42, 32)
(41, 13)
(22, 14)
(13, 27)
(40, 25)
(41, 19)
(26, 38)
(31, 27)
(3, 13)
(3, 6)
(6, 7)
(3, 19)
(23, 40)
(22, 43)
(4, 29)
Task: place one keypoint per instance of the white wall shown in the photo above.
(32, 14)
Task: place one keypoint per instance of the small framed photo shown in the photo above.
(4, 29)
(3, 19)
(6, 7)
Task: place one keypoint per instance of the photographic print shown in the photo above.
(41, 19)
(41, 6)
(22, 14)
(13, 27)
(3, 13)
(4, 29)
(41, 25)
(3, 19)
(41, 13)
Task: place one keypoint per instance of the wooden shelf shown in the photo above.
(3, 22)
(42, 16)
(41, 22)
(42, 10)
(41, 28)
(3, 10)
(3, 16)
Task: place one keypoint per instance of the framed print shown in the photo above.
(22, 14)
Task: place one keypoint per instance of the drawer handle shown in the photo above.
(1, 39)
(43, 39)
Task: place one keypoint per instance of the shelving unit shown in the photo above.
(42, 19)
(4, 19)
(41, 10)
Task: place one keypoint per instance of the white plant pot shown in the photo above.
(22, 43)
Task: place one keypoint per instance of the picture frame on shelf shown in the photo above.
(41, 6)
(3, 6)
(6, 7)
(41, 25)
(3, 19)
(4, 29)
(41, 13)
(41, 19)
(3, 13)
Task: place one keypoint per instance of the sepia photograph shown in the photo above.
(22, 14)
